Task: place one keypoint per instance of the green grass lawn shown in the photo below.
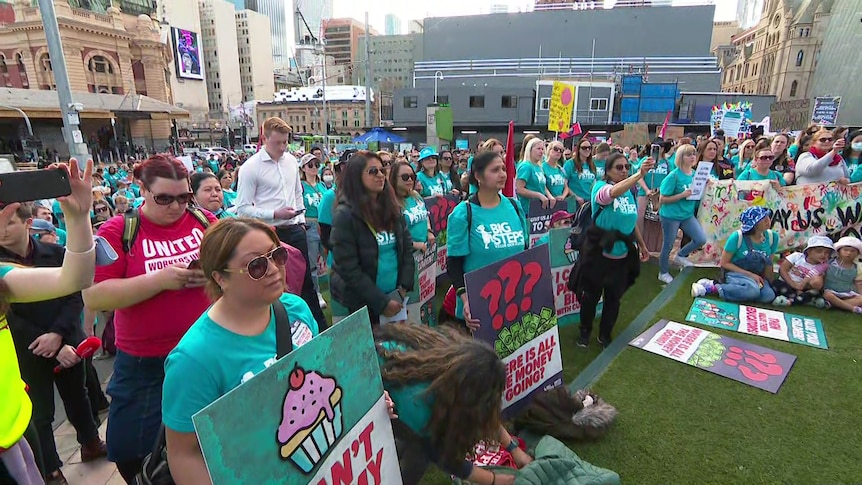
(681, 425)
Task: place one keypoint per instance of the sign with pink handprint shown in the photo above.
(741, 361)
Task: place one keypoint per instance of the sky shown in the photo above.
(418, 9)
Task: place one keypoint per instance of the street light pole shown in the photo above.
(29, 129)
(68, 108)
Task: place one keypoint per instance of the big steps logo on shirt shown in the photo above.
(161, 254)
(385, 238)
(416, 214)
(623, 205)
(500, 235)
(313, 199)
(557, 179)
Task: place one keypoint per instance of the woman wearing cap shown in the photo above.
(842, 287)
(433, 182)
(610, 259)
(823, 162)
(209, 194)
(402, 178)
(312, 194)
(581, 171)
(554, 174)
(560, 219)
(746, 261)
(530, 180)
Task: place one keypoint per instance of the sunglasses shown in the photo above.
(407, 177)
(766, 157)
(586, 148)
(624, 168)
(165, 199)
(258, 267)
(447, 158)
(312, 165)
(101, 209)
(824, 140)
(374, 171)
(558, 150)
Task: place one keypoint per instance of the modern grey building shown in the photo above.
(393, 24)
(839, 62)
(278, 23)
(315, 13)
(506, 55)
(392, 58)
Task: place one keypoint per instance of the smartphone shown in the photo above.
(298, 212)
(33, 185)
(195, 264)
(655, 152)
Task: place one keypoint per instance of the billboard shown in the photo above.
(188, 55)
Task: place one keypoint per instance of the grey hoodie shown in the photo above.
(810, 170)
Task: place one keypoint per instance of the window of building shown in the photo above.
(509, 102)
(344, 123)
(344, 114)
(356, 124)
(793, 87)
(100, 64)
(411, 102)
(3, 68)
(598, 104)
(745, 71)
(477, 101)
(545, 104)
(799, 57)
(45, 63)
(443, 99)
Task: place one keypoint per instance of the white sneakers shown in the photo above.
(321, 301)
(682, 261)
(703, 287)
(665, 278)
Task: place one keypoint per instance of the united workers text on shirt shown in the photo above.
(500, 235)
(161, 254)
(416, 214)
(624, 206)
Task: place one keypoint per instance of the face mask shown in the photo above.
(327, 178)
(734, 151)
(856, 147)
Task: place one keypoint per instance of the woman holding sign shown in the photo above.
(403, 179)
(483, 229)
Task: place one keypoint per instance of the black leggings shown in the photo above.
(129, 469)
(608, 278)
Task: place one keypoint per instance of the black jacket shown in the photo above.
(354, 266)
(60, 315)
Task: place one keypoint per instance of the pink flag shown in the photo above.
(509, 189)
(664, 126)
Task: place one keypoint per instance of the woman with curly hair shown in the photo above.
(447, 389)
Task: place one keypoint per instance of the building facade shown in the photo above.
(840, 55)
(315, 13)
(255, 56)
(779, 55)
(722, 34)
(280, 24)
(393, 24)
(748, 13)
(303, 110)
(220, 46)
(189, 93)
(342, 43)
(392, 58)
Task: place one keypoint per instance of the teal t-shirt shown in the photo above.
(581, 182)
(213, 164)
(855, 173)
(312, 195)
(412, 400)
(654, 177)
(223, 214)
(620, 215)
(600, 168)
(387, 261)
(739, 249)
(535, 179)
(473, 189)
(792, 150)
(494, 234)
(431, 186)
(61, 237)
(739, 164)
(58, 213)
(545, 239)
(196, 374)
(416, 216)
(229, 198)
(751, 174)
(677, 182)
(324, 209)
(555, 179)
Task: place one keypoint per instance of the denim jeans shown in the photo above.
(312, 236)
(669, 228)
(740, 288)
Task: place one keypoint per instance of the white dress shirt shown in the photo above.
(266, 185)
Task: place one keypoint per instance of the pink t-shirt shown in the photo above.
(152, 328)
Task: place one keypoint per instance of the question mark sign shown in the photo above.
(510, 273)
(533, 270)
(491, 292)
(435, 216)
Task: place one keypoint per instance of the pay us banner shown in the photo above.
(316, 416)
(439, 207)
(420, 306)
(758, 321)
(741, 361)
(515, 302)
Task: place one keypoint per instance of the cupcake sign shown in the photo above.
(317, 416)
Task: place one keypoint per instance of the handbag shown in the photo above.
(155, 469)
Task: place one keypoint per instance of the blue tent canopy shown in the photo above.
(379, 135)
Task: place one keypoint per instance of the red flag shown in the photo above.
(509, 189)
(259, 137)
(664, 126)
(576, 129)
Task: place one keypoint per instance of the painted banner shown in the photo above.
(439, 208)
(420, 306)
(741, 361)
(560, 110)
(316, 416)
(513, 299)
(735, 116)
(762, 322)
(539, 218)
(798, 212)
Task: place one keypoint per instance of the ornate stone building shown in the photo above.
(778, 55)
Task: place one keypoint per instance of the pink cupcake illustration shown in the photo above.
(311, 418)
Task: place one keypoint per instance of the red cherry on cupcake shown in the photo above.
(297, 377)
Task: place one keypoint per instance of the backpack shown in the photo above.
(581, 223)
(132, 224)
(475, 198)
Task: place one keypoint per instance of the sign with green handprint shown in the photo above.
(741, 361)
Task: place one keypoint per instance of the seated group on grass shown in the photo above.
(824, 274)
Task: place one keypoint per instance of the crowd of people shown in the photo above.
(213, 255)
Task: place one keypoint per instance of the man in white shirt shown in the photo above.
(269, 189)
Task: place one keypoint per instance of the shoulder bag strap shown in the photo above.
(283, 333)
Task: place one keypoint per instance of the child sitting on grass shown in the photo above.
(802, 274)
(843, 286)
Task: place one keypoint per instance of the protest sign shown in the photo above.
(420, 307)
(539, 218)
(739, 121)
(316, 416)
(798, 212)
(701, 177)
(439, 208)
(826, 110)
(758, 321)
(792, 115)
(632, 134)
(562, 257)
(561, 105)
(514, 300)
(741, 361)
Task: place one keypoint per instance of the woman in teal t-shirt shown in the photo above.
(530, 180)
(743, 158)
(403, 179)
(603, 151)
(245, 266)
(483, 229)
(312, 193)
(555, 176)
(609, 261)
(225, 179)
(581, 171)
(759, 169)
(430, 178)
